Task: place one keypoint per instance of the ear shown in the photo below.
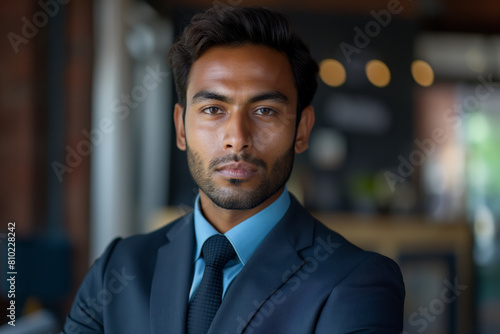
(180, 132)
(304, 129)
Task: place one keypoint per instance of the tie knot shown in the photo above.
(217, 251)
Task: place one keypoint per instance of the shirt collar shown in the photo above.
(247, 235)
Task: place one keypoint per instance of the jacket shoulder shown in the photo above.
(147, 244)
(353, 256)
(361, 283)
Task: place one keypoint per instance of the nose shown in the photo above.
(237, 133)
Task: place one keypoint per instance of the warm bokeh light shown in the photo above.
(332, 72)
(422, 73)
(378, 73)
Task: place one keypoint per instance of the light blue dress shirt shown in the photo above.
(245, 238)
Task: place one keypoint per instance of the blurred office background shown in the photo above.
(404, 157)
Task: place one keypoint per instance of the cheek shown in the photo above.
(203, 139)
(276, 138)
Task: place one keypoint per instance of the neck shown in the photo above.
(224, 219)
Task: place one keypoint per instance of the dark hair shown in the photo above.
(235, 26)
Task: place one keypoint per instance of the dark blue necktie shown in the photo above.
(217, 251)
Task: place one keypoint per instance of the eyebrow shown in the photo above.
(209, 95)
(270, 95)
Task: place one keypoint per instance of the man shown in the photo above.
(249, 258)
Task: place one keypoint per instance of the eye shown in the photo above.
(212, 110)
(265, 111)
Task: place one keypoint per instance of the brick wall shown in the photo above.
(21, 133)
(25, 168)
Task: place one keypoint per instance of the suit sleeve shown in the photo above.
(86, 315)
(369, 300)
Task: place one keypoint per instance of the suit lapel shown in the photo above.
(274, 262)
(172, 279)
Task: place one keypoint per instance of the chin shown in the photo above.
(237, 198)
(235, 182)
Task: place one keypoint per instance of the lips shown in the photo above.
(237, 170)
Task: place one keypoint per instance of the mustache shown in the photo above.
(237, 158)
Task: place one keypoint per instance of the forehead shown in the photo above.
(245, 69)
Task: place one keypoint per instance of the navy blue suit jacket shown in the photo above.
(303, 278)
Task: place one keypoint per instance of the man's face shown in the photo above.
(240, 122)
